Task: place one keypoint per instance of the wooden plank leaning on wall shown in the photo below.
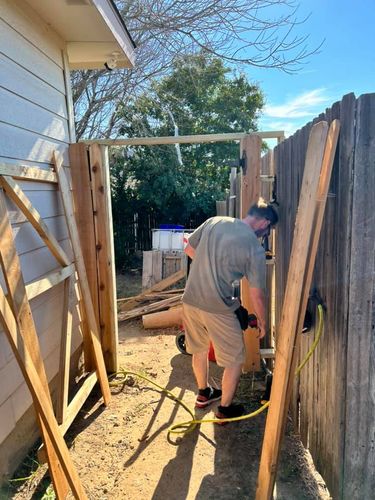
(43, 407)
(19, 328)
(317, 173)
(30, 354)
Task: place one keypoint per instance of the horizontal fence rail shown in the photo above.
(184, 139)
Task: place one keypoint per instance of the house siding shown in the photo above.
(34, 122)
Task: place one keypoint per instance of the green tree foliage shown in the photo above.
(180, 184)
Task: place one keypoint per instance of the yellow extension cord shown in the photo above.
(189, 425)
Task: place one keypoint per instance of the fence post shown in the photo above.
(82, 197)
(105, 256)
(250, 188)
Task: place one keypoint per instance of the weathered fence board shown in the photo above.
(359, 464)
(334, 401)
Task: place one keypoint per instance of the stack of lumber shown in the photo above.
(154, 300)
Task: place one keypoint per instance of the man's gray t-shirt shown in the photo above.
(226, 250)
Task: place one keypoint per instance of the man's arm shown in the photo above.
(258, 302)
(194, 239)
(190, 251)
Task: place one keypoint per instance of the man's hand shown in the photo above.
(258, 303)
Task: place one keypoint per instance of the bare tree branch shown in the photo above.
(259, 33)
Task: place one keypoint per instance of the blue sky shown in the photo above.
(345, 63)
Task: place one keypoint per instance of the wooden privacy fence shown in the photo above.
(333, 401)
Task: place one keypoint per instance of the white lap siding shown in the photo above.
(33, 124)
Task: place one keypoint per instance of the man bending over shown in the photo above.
(224, 250)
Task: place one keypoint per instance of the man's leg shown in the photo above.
(200, 368)
(231, 377)
(206, 393)
(197, 343)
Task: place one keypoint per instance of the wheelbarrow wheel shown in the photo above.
(180, 343)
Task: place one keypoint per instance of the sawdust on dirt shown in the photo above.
(124, 451)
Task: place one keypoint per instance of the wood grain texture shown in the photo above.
(83, 282)
(65, 351)
(185, 139)
(18, 197)
(152, 268)
(157, 306)
(161, 285)
(38, 287)
(27, 172)
(24, 328)
(105, 258)
(221, 208)
(61, 466)
(250, 191)
(163, 319)
(291, 317)
(83, 213)
(359, 479)
(318, 396)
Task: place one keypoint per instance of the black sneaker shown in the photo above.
(207, 396)
(231, 411)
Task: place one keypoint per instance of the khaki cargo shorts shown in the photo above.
(223, 330)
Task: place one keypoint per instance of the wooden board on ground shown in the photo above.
(317, 173)
(163, 319)
(157, 306)
(162, 285)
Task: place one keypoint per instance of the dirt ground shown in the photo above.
(124, 451)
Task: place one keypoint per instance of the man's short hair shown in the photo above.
(264, 210)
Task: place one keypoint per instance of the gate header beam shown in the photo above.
(184, 139)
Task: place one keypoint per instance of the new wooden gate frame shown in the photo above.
(19, 327)
(315, 183)
(250, 153)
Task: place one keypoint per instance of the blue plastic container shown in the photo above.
(170, 226)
